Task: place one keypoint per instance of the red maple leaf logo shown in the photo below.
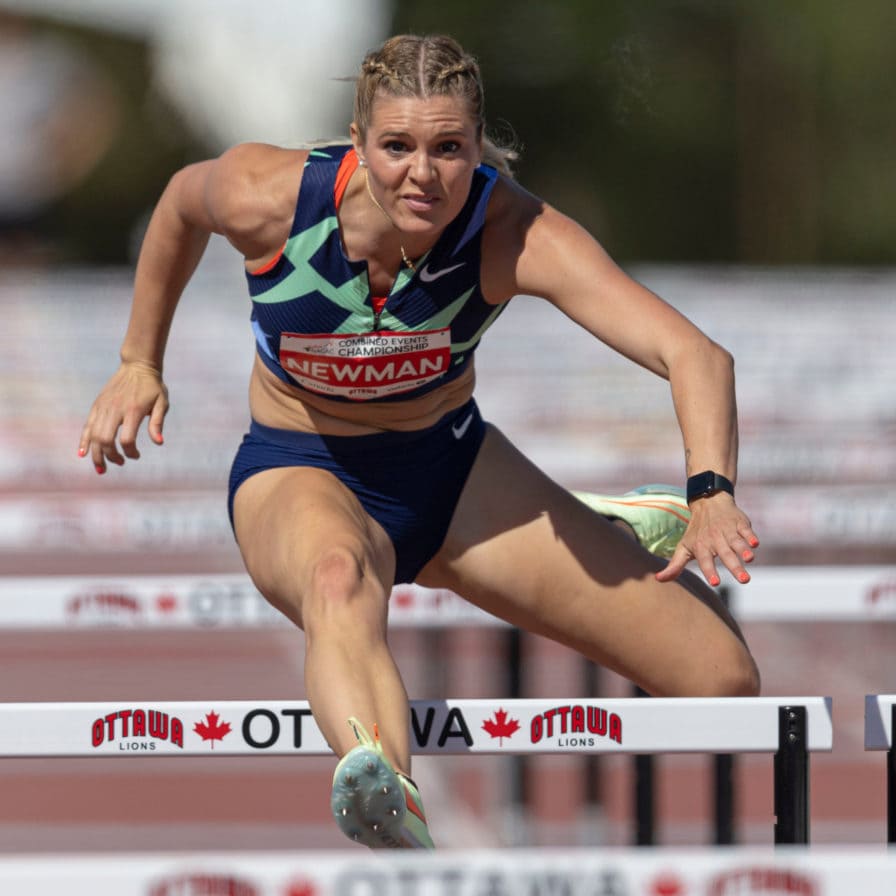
(213, 730)
(667, 885)
(166, 603)
(501, 727)
(301, 888)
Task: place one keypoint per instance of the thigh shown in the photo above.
(286, 518)
(523, 548)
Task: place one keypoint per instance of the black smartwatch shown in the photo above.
(707, 483)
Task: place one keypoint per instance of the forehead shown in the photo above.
(413, 114)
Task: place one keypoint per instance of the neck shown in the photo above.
(404, 255)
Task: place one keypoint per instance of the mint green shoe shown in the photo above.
(372, 803)
(659, 514)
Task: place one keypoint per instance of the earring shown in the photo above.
(362, 163)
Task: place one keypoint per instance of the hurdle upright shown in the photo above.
(880, 734)
(788, 727)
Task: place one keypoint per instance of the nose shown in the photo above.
(422, 170)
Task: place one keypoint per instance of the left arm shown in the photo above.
(553, 257)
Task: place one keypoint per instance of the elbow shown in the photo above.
(701, 353)
(723, 359)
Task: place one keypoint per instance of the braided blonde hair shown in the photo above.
(418, 66)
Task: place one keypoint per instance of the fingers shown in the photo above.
(110, 434)
(711, 542)
(676, 565)
(157, 418)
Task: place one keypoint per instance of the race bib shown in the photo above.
(363, 367)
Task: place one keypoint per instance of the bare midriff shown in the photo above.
(277, 404)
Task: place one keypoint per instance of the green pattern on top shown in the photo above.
(463, 346)
(350, 296)
(441, 319)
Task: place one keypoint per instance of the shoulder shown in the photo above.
(526, 240)
(255, 180)
(248, 194)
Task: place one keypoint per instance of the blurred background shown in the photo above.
(736, 156)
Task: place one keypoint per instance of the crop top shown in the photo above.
(313, 316)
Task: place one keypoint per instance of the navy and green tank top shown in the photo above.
(313, 315)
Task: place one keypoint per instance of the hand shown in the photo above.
(718, 529)
(135, 391)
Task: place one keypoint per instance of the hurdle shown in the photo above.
(355, 872)
(880, 728)
(790, 728)
(230, 601)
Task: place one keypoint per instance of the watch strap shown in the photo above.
(707, 483)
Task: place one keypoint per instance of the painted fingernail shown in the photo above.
(714, 581)
(100, 469)
(82, 452)
(747, 555)
(754, 542)
(743, 578)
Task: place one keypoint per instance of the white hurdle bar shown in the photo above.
(231, 601)
(788, 727)
(880, 727)
(831, 871)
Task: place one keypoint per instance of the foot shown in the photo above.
(372, 803)
(658, 514)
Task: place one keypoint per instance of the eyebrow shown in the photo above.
(441, 134)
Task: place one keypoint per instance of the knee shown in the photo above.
(342, 582)
(337, 574)
(736, 676)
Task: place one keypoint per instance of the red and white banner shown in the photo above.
(437, 727)
(736, 871)
(802, 593)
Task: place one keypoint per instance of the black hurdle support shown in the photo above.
(723, 801)
(645, 801)
(792, 777)
(519, 791)
(723, 779)
(891, 779)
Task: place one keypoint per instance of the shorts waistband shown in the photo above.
(352, 445)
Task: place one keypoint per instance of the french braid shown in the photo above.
(425, 66)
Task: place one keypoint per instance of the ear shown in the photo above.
(355, 134)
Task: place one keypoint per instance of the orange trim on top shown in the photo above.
(347, 167)
(270, 265)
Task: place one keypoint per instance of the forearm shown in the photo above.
(703, 392)
(169, 256)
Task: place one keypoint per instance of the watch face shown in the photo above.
(707, 483)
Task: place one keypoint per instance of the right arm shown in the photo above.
(244, 195)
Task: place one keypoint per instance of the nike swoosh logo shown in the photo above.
(428, 276)
(460, 429)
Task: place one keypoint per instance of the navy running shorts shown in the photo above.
(409, 482)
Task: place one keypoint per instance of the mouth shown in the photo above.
(420, 202)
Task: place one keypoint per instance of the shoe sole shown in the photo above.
(368, 801)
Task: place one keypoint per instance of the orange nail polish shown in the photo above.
(82, 452)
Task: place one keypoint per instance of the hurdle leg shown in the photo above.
(645, 803)
(792, 777)
(724, 799)
(891, 779)
(723, 779)
(519, 767)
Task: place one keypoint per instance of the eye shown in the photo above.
(449, 146)
(395, 146)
